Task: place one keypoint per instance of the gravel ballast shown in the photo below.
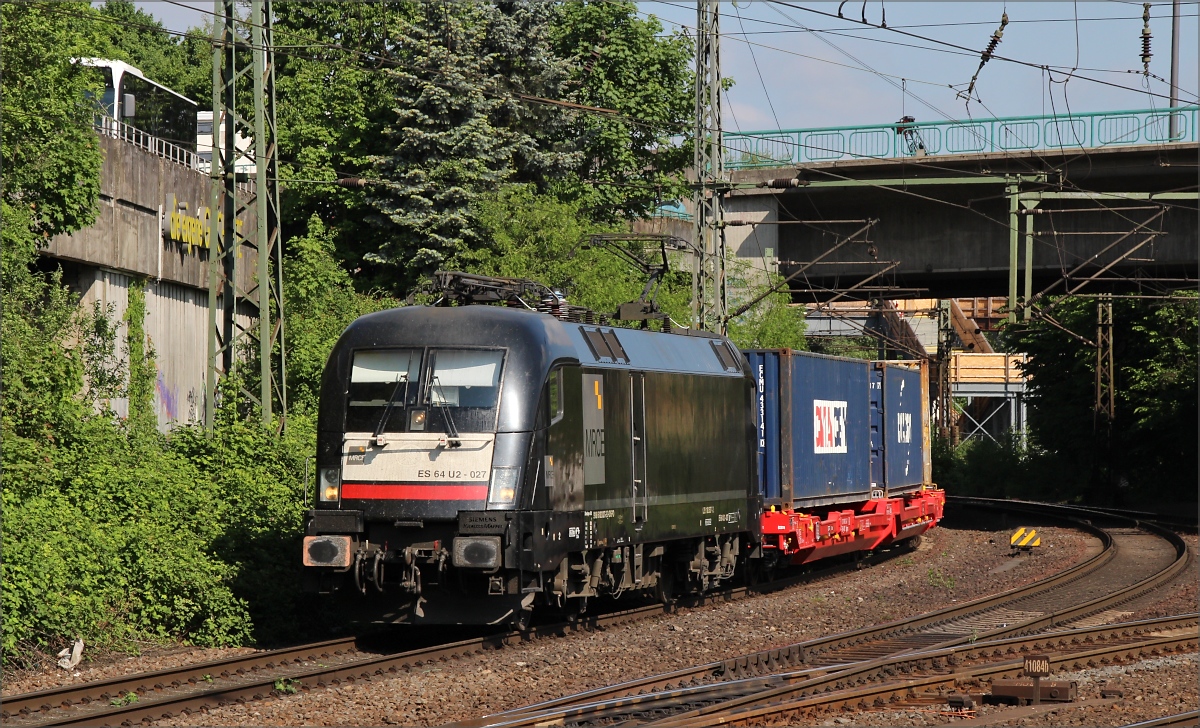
(952, 565)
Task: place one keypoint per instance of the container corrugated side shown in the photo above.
(829, 428)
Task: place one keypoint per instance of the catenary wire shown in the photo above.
(954, 49)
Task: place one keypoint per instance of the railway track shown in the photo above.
(789, 704)
(1192, 718)
(898, 677)
(176, 691)
(1133, 561)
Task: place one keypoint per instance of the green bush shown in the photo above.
(111, 540)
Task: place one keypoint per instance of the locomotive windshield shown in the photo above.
(456, 390)
(463, 388)
(380, 375)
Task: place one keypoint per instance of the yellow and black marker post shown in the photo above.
(1025, 539)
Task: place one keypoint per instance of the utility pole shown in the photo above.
(945, 352)
(1011, 190)
(222, 253)
(267, 236)
(709, 296)
(1174, 69)
(1106, 406)
(231, 301)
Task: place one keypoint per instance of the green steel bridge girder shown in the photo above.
(900, 140)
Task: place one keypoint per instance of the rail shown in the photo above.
(167, 693)
(909, 138)
(728, 688)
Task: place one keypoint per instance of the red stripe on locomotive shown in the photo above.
(405, 491)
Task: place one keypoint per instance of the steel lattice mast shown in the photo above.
(234, 296)
(709, 298)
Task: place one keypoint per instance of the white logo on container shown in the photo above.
(829, 426)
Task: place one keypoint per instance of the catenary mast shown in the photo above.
(709, 297)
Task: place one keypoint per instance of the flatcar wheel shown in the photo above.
(522, 619)
(754, 572)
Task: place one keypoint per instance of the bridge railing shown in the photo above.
(116, 129)
(908, 138)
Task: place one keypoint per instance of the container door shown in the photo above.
(878, 438)
(639, 496)
(764, 364)
(904, 429)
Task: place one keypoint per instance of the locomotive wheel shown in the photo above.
(665, 588)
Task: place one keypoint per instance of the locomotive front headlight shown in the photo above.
(502, 491)
(416, 420)
(330, 485)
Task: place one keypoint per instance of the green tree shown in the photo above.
(446, 103)
(449, 138)
(527, 234)
(321, 303)
(429, 99)
(51, 158)
(772, 324)
(631, 162)
(334, 103)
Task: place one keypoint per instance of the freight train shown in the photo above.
(477, 464)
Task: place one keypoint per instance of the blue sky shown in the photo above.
(838, 72)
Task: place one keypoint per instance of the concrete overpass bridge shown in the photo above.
(1006, 207)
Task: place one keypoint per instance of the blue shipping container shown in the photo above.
(820, 451)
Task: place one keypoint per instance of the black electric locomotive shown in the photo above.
(475, 462)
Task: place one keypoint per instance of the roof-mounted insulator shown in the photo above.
(1146, 54)
(780, 183)
(995, 40)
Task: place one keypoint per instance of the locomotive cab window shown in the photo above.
(554, 396)
(463, 389)
(725, 356)
(379, 376)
